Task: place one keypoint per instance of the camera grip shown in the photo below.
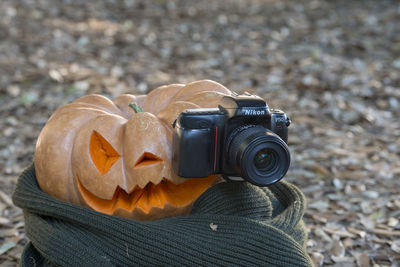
(192, 152)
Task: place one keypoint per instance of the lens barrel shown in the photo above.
(260, 156)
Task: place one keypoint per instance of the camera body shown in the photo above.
(241, 138)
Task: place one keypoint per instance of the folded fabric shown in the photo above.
(231, 224)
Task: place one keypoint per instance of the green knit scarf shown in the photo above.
(231, 224)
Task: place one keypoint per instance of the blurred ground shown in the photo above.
(334, 66)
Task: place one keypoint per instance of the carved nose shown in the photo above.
(148, 168)
(146, 159)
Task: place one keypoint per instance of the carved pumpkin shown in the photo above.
(105, 155)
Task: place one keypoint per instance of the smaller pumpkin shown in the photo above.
(115, 156)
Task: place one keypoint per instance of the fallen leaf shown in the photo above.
(4, 221)
(341, 232)
(392, 222)
(7, 246)
(396, 246)
(337, 248)
(363, 260)
(320, 233)
(213, 226)
(56, 75)
(317, 258)
(343, 259)
(319, 205)
(6, 199)
(8, 232)
(321, 170)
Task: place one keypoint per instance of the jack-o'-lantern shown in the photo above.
(115, 156)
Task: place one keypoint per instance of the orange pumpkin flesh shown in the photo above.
(102, 154)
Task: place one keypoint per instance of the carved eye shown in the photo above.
(102, 153)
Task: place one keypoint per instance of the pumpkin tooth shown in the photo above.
(115, 199)
(143, 202)
(160, 191)
(136, 195)
(158, 182)
(155, 198)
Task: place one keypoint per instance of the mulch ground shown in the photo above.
(334, 66)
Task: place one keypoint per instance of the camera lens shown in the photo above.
(259, 155)
(265, 159)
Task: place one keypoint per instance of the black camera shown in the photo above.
(241, 139)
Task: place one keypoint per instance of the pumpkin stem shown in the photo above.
(135, 107)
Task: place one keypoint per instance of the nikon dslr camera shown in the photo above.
(241, 139)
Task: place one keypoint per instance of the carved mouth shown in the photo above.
(152, 195)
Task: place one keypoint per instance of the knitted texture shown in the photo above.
(231, 224)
